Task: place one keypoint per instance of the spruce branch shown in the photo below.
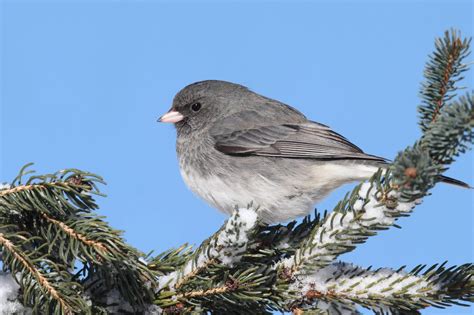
(442, 72)
(62, 193)
(169, 260)
(320, 307)
(38, 278)
(222, 270)
(453, 131)
(224, 248)
(53, 215)
(371, 207)
(385, 290)
(376, 205)
(96, 245)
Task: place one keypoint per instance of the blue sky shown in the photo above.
(83, 83)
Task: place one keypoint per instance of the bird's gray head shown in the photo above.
(197, 105)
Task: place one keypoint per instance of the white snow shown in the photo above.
(232, 242)
(115, 304)
(372, 212)
(348, 279)
(248, 217)
(334, 307)
(9, 303)
(153, 310)
(227, 246)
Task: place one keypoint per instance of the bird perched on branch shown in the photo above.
(236, 147)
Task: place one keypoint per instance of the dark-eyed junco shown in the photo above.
(236, 147)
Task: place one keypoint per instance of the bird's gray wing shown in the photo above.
(309, 140)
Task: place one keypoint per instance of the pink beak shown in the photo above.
(171, 117)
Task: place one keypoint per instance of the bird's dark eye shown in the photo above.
(196, 106)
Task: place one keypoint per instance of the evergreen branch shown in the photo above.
(321, 307)
(386, 290)
(171, 259)
(274, 241)
(226, 247)
(60, 194)
(414, 173)
(194, 273)
(453, 131)
(218, 272)
(98, 246)
(442, 72)
(206, 293)
(372, 206)
(33, 280)
(377, 205)
(110, 264)
(16, 189)
(55, 211)
(85, 237)
(246, 285)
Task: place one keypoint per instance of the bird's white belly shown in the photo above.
(275, 202)
(216, 191)
(268, 197)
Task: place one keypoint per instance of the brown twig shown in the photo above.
(297, 311)
(16, 189)
(201, 293)
(193, 273)
(71, 183)
(315, 294)
(78, 236)
(311, 295)
(447, 73)
(229, 286)
(6, 243)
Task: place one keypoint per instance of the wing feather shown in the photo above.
(309, 140)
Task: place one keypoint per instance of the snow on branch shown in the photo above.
(48, 228)
(9, 303)
(372, 206)
(385, 290)
(377, 204)
(225, 247)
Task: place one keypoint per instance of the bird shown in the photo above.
(237, 148)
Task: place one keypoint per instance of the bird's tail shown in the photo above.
(455, 182)
(444, 179)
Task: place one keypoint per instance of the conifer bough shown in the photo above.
(59, 257)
